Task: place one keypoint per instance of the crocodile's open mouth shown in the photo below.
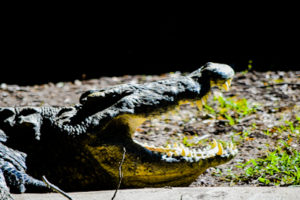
(144, 165)
(179, 152)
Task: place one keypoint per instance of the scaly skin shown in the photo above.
(80, 147)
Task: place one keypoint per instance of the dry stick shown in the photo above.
(55, 188)
(120, 173)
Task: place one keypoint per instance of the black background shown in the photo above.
(56, 45)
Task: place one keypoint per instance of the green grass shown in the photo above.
(280, 167)
(231, 109)
(289, 128)
(281, 164)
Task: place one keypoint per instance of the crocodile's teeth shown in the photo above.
(176, 145)
(220, 147)
(205, 98)
(214, 144)
(183, 153)
(227, 84)
(192, 103)
(189, 154)
(199, 104)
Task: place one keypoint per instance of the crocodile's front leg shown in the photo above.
(13, 175)
(20, 129)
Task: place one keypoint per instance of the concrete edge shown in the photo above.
(204, 193)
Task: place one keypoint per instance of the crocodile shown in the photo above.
(80, 147)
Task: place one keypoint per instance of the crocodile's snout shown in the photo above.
(217, 74)
(218, 71)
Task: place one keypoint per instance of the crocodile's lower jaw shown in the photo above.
(149, 166)
(157, 166)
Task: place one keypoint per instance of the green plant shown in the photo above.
(280, 167)
(232, 109)
(250, 63)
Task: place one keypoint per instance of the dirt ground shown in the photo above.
(276, 96)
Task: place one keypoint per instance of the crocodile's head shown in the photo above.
(149, 166)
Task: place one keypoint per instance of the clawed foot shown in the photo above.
(13, 177)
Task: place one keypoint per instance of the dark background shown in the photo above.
(42, 47)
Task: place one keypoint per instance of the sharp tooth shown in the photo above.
(199, 104)
(168, 146)
(192, 103)
(169, 154)
(205, 98)
(229, 82)
(214, 144)
(189, 154)
(225, 86)
(176, 153)
(181, 145)
(220, 152)
(183, 152)
(175, 145)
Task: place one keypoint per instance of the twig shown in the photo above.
(120, 173)
(55, 188)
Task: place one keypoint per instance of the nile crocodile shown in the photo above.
(80, 147)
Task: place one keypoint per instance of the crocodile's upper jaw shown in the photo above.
(149, 166)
